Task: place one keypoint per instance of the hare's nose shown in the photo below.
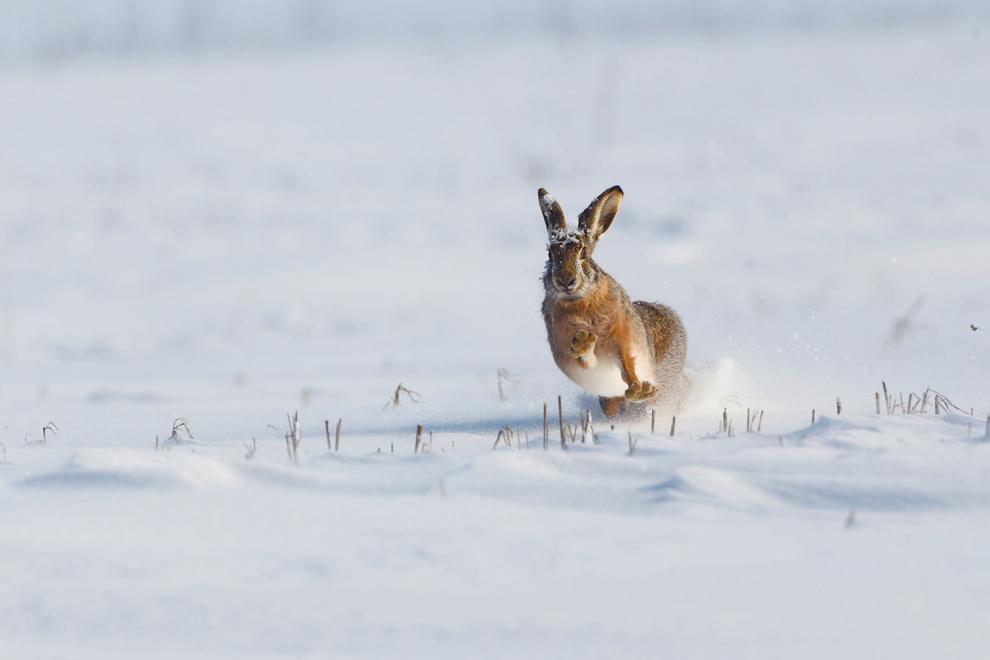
(568, 283)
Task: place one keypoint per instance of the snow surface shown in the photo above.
(227, 239)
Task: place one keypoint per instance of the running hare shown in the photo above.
(610, 346)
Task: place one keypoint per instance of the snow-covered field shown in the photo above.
(230, 238)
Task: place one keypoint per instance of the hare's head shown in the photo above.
(570, 268)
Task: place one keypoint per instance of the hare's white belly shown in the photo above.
(603, 375)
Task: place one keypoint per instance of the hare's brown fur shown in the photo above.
(610, 346)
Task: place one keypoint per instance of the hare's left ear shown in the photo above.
(596, 219)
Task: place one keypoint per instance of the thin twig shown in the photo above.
(49, 427)
(947, 404)
(546, 428)
(572, 432)
(414, 397)
(504, 377)
(293, 436)
(180, 424)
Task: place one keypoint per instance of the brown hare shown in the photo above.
(623, 351)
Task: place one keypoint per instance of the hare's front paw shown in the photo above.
(583, 346)
(640, 390)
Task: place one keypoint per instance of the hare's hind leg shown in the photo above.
(621, 407)
(669, 345)
(612, 406)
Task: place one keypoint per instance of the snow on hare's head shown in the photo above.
(570, 268)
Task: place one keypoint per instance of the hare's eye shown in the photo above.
(583, 252)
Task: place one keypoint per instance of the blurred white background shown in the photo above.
(227, 210)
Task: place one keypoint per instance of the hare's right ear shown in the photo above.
(553, 215)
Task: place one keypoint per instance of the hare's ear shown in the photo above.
(596, 219)
(553, 215)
